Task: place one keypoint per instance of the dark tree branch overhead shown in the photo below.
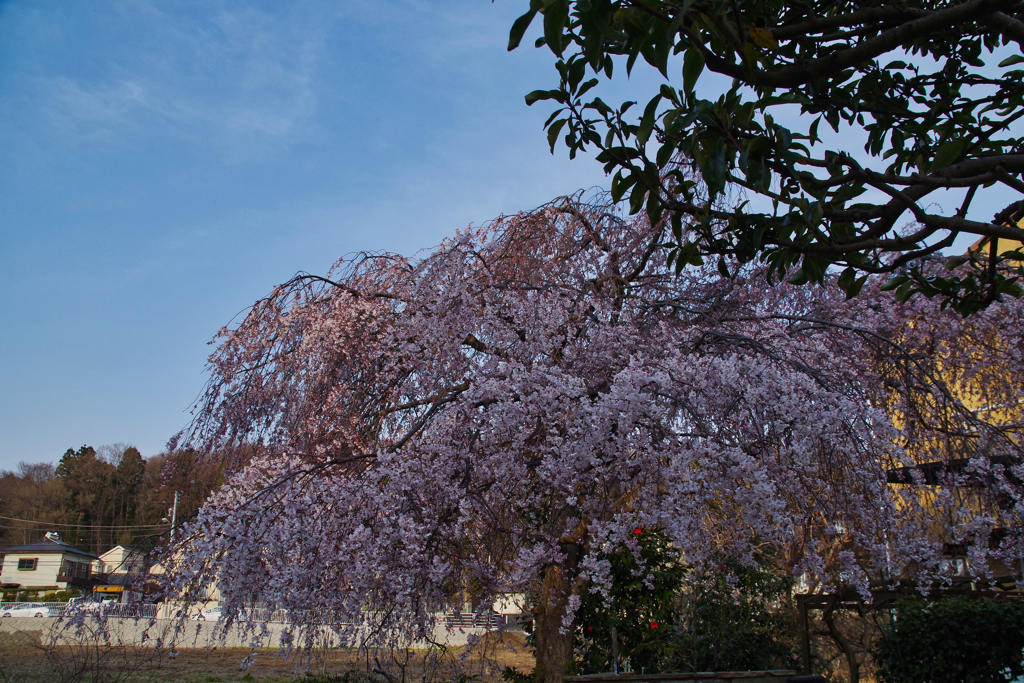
(1008, 26)
(802, 73)
(915, 83)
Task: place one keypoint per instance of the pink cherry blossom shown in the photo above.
(494, 416)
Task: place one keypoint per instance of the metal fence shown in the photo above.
(111, 609)
(261, 614)
(265, 615)
(465, 619)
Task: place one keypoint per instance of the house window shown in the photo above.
(74, 570)
(27, 564)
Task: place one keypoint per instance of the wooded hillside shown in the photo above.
(96, 498)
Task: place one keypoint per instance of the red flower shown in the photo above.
(654, 624)
(638, 531)
(590, 629)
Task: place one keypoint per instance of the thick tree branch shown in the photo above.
(1007, 26)
(801, 73)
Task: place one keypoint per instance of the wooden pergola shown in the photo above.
(850, 599)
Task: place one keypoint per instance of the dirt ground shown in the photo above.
(24, 660)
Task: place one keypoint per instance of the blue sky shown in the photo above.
(165, 164)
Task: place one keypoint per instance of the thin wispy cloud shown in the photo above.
(169, 162)
(237, 79)
(93, 114)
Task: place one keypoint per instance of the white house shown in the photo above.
(48, 564)
(120, 560)
(119, 572)
(210, 595)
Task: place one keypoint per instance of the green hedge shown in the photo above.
(953, 640)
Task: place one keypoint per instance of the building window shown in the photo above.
(27, 564)
(74, 570)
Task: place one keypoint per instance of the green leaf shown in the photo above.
(553, 131)
(519, 26)
(689, 253)
(850, 283)
(643, 133)
(954, 263)
(713, 168)
(894, 283)
(636, 198)
(665, 154)
(586, 86)
(832, 117)
(813, 132)
(723, 268)
(542, 95)
(631, 60)
(799, 278)
(577, 70)
(556, 14)
(598, 104)
(947, 154)
(693, 65)
(654, 207)
(620, 184)
(1010, 61)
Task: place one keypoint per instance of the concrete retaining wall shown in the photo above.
(199, 634)
(774, 676)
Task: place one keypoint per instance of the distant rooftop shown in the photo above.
(48, 545)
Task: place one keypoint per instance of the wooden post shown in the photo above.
(805, 637)
(615, 651)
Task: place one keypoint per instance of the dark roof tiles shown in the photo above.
(47, 545)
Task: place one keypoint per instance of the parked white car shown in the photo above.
(210, 614)
(29, 609)
(217, 613)
(87, 604)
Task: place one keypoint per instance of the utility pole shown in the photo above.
(174, 515)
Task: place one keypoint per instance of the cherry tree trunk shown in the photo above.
(553, 648)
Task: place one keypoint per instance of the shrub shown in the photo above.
(641, 609)
(737, 618)
(343, 677)
(953, 640)
(668, 618)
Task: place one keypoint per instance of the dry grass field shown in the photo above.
(23, 659)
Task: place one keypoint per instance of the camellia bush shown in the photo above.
(953, 640)
(726, 616)
(500, 416)
(641, 605)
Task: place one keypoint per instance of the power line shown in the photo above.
(133, 534)
(86, 526)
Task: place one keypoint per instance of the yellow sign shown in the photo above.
(108, 589)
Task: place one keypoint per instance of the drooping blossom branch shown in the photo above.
(494, 416)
